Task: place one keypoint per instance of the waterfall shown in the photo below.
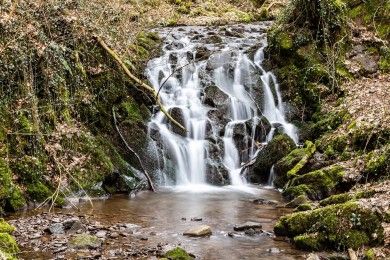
(213, 83)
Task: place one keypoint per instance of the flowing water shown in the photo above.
(212, 81)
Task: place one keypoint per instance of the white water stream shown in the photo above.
(184, 74)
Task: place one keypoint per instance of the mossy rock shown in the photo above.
(309, 242)
(5, 227)
(304, 207)
(16, 200)
(38, 191)
(8, 244)
(378, 163)
(285, 164)
(178, 254)
(336, 199)
(277, 148)
(337, 227)
(310, 148)
(317, 184)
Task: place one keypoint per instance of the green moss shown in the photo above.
(354, 239)
(339, 226)
(38, 191)
(304, 207)
(336, 199)
(378, 163)
(317, 184)
(29, 168)
(369, 254)
(284, 41)
(296, 191)
(309, 242)
(5, 227)
(8, 244)
(309, 151)
(178, 254)
(131, 110)
(245, 17)
(16, 200)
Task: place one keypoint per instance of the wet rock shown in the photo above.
(220, 118)
(199, 231)
(56, 229)
(117, 182)
(252, 232)
(275, 150)
(247, 225)
(219, 59)
(216, 173)
(262, 201)
(202, 53)
(196, 219)
(233, 32)
(274, 250)
(214, 39)
(215, 97)
(262, 128)
(85, 241)
(178, 114)
(234, 234)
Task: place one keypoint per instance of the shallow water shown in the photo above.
(220, 208)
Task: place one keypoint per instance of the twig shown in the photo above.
(151, 186)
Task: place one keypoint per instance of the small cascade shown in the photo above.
(271, 177)
(212, 82)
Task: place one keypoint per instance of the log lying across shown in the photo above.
(139, 82)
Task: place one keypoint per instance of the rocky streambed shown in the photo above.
(232, 225)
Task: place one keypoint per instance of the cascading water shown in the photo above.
(212, 82)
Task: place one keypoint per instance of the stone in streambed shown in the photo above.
(56, 229)
(199, 231)
(85, 241)
(248, 225)
(196, 219)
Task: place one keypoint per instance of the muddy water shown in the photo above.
(165, 215)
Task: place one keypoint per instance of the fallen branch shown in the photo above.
(151, 186)
(138, 81)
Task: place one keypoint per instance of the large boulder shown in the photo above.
(277, 148)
